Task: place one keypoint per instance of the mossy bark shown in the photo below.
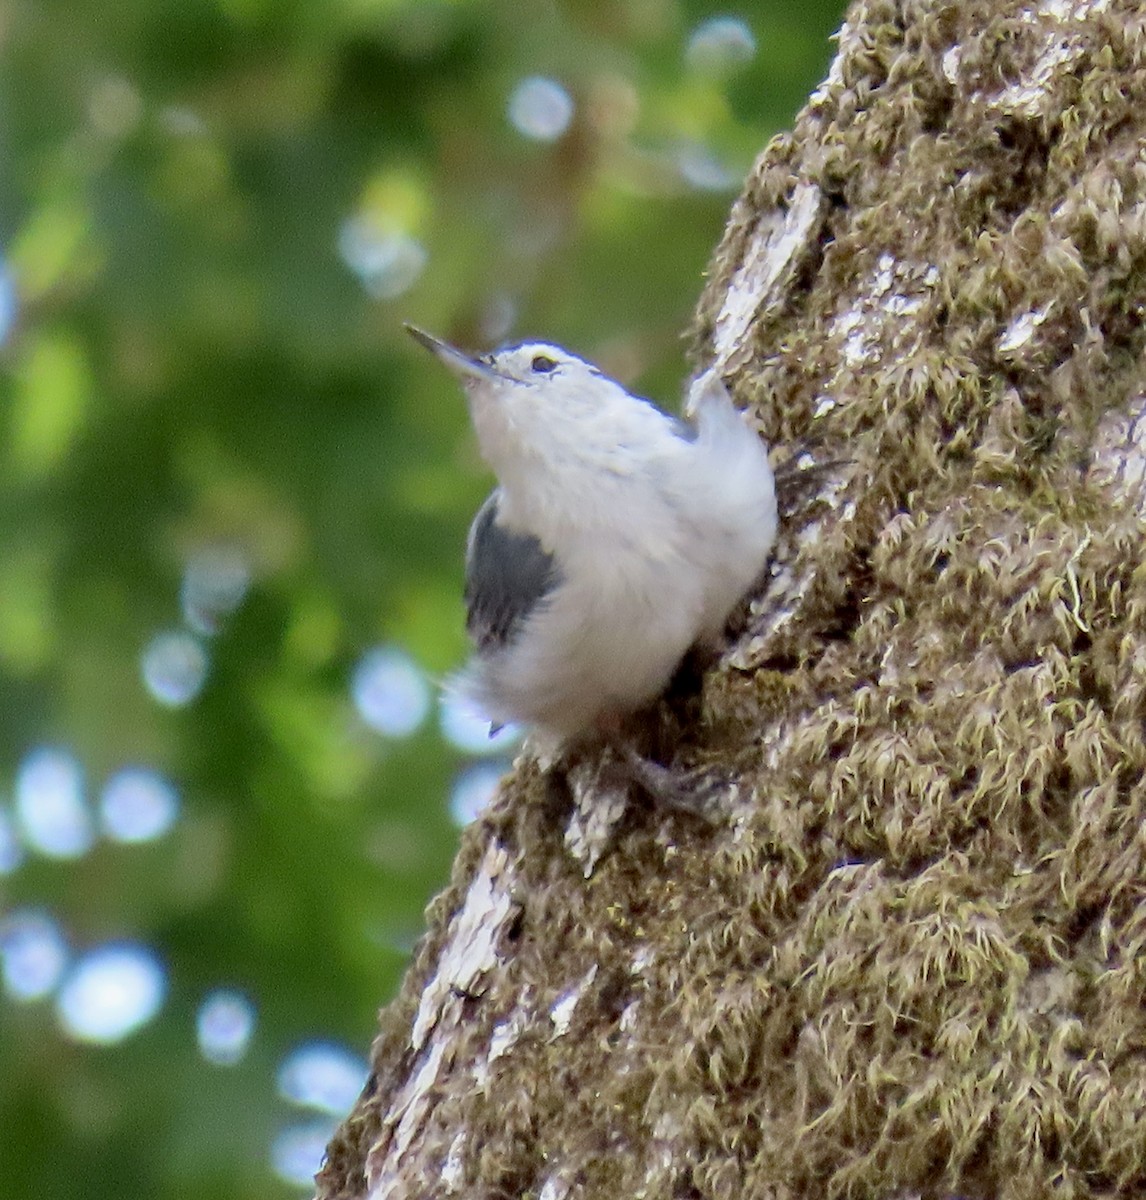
(910, 954)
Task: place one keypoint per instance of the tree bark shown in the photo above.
(909, 955)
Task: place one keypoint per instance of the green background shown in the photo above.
(213, 219)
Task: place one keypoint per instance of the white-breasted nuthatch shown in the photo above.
(616, 539)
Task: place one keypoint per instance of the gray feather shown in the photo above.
(685, 430)
(507, 575)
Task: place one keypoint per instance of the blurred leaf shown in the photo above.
(50, 402)
(27, 622)
(52, 245)
(218, 215)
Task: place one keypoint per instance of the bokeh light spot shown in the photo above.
(473, 789)
(179, 121)
(214, 584)
(224, 1026)
(498, 313)
(296, 1152)
(324, 1076)
(720, 45)
(114, 106)
(387, 263)
(174, 667)
(137, 805)
(110, 992)
(9, 303)
(540, 109)
(390, 692)
(50, 806)
(700, 168)
(467, 729)
(33, 954)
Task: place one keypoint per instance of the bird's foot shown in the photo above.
(703, 792)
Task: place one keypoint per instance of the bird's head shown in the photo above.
(536, 403)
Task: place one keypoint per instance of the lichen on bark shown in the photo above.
(909, 958)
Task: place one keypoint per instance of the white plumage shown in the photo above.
(617, 537)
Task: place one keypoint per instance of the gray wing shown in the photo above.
(507, 576)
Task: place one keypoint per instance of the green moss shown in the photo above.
(912, 959)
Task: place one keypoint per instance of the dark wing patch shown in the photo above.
(507, 576)
(685, 430)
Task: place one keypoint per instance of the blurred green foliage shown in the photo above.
(214, 217)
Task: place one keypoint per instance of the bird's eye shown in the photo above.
(542, 365)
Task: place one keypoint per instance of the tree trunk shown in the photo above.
(909, 955)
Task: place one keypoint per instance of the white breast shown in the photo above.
(654, 548)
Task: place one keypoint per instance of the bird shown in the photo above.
(617, 538)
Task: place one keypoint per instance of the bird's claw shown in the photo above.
(702, 792)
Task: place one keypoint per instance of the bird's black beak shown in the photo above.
(461, 363)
